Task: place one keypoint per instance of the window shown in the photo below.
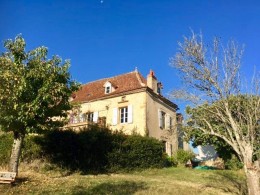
(162, 119)
(82, 117)
(72, 118)
(167, 148)
(90, 116)
(123, 115)
(108, 89)
(75, 119)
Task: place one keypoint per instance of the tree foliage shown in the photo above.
(240, 106)
(34, 92)
(224, 108)
(33, 89)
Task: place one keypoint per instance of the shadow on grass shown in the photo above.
(20, 180)
(238, 182)
(120, 188)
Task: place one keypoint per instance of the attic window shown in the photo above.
(108, 87)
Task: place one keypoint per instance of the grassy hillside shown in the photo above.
(155, 181)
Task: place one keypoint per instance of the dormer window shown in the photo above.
(108, 87)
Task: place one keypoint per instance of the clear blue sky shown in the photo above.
(110, 37)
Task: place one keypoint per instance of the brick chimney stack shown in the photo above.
(152, 81)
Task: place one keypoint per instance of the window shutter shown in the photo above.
(168, 122)
(160, 118)
(130, 114)
(95, 117)
(114, 120)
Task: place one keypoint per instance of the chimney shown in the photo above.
(152, 81)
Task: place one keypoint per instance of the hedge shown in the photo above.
(93, 150)
(6, 141)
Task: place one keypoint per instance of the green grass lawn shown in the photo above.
(155, 181)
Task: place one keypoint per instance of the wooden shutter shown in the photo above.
(114, 119)
(160, 118)
(95, 117)
(168, 122)
(130, 113)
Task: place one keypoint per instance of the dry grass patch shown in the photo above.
(155, 181)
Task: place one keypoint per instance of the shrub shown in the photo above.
(97, 150)
(61, 148)
(30, 149)
(233, 163)
(182, 156)
(6, 141)
(95, 146)
(92, 150)
(135, 151)
(171, 161)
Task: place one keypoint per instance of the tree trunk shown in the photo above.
(253, 181)
(16, 152)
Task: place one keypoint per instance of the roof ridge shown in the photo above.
(107, 78)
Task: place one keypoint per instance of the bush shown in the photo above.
(97, 150)
(182, 156)
(233, 163)
(61, 148)
(170, 161)
(30, 149)
(135, 151)
(95, 146)
(6, 141)
(92, 150)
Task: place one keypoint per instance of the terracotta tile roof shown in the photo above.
(122, 83)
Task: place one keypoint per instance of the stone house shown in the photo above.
(130, 103)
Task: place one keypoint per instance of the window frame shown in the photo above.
(123, 115)
(107, 89)
(162, 119)
(90, 117)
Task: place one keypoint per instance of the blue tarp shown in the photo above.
(205, 168)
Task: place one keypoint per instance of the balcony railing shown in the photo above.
(81, 123)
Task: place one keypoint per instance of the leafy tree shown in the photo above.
(199, 138)
(34, 92)
(223, 107)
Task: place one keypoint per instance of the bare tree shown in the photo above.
(211, 75)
